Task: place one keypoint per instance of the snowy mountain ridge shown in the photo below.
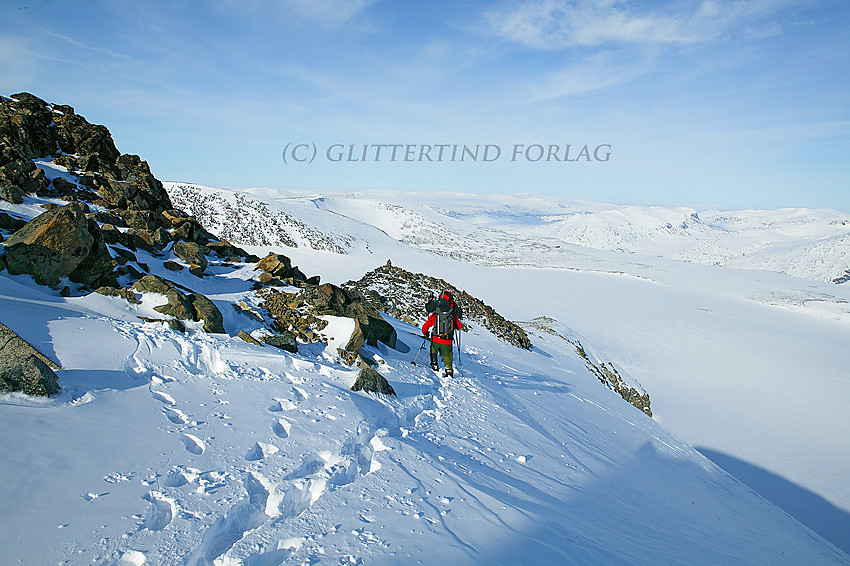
(530, 230)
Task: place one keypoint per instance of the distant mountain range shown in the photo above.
(530, 230)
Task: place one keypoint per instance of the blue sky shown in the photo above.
(735, 104)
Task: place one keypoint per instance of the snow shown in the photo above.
(202, 449)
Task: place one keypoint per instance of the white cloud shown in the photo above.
(558, 24)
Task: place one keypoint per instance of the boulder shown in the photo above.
(206, 310)
(248, 338)
(379, 330)
(23, 368)
(59, 243)
(370, 381)
(185, 306)
(284, 340)
(179, 305)
(358, 338)
(191, 253)
(8, 222)
(172, 266)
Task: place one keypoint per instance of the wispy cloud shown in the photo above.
(318, 14)
(558, 24)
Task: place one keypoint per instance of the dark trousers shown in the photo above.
(445, 350)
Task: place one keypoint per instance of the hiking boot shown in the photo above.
(449, 372)
(434, 365)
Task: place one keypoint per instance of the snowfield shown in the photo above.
(172, 448)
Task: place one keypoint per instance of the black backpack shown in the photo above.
(443, 319)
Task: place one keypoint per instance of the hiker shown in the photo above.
(444, 320)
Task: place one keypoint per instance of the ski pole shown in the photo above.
(424, 339)
(459, 357)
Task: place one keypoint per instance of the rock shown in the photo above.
(139, 239)
(153, 284)
(197, 271)
(144, 220)
(284, 340)
(160, 237)
(246, 309)
(248, 338)
(23, 368)
(65, 292)
(357, 339)
(111, 234)
(172, 266)
(191, 231)
(123, 256)
(9, 222)
(57, 244)
(206, 310)
(125, 294)
(370, 381)
(280, 266)
(191, 253)
(379, 330)
(265, 278)
(179, 305)
(63, 187)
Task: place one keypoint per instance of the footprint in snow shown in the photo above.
(175, 415)
(282, 428)
(260, 451)
(163, 397)
(160, 512)
(193, 444)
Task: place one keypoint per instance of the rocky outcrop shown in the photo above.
(403, 295)
(193, 254)
(30, 128)
(23, 368)
(291, 313)
(182, 305)
(60, 243)
(278, 269)
(336, 301)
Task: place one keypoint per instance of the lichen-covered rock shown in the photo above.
(191, 253)
(9, 222)
(179, 305)
(206, 310)
(59, 243)
(23, 368)
(371, 381)
(284, 340)
(153, 284)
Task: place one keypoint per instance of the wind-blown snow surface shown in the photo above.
(169, 448)
(750, 366)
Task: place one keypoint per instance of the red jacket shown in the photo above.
(432, 320)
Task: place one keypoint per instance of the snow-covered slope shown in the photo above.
(764, 352)
(167, 448)
(170, 448)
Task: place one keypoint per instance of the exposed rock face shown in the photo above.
(181, 305)
(23, 368)
(192, 253)
(60, 243)
(9, 222)
(371, 381)
(403, 295)
(30, 128)
(280, 267)
(333, 300)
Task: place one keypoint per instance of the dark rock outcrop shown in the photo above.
(23, 368)
(60, 243)
(403, 294)
(284, 340)
(182, 305)
(192, 253)
(336, 301)
(371, 381)
(30, 128)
